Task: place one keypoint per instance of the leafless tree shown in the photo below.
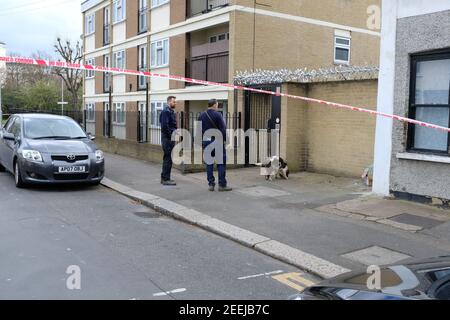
(72, 78)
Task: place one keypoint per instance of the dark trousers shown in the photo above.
(221, 168)
(167, 145)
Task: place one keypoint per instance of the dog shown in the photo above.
(275, 167)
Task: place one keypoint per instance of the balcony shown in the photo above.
(197, 7)
(209, 62)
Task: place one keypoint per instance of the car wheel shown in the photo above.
(18, 176)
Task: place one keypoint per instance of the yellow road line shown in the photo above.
(294, 280)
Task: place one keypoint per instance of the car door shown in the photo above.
(11, 145)
(3, 146)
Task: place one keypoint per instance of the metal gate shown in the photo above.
(142, 122)
(263, 118)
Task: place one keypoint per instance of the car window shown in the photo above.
(443, 292)
(8, 124)
(35, 128)
(15, 127)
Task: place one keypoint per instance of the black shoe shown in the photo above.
(168, 183)
(211, 188)
(224, 189)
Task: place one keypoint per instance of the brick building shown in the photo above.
(212, 40)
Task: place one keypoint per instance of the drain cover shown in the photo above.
(376, 256)
(147, 214)
(423, 222)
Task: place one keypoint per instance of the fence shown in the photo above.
(145, 127)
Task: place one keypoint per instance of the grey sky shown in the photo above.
(27, 26)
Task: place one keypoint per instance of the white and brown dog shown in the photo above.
(275, 167)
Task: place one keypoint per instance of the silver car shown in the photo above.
(49, 149)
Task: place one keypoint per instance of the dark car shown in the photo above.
(419, 280)
(49, 149)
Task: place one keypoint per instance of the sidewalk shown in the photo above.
(330, 218)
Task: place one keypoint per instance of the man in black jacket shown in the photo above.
(168, 121)
(212, 119)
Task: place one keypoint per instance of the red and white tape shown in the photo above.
(59, 64)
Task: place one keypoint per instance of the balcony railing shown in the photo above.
(196, 7)
(209, 62)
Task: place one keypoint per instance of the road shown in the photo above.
(122, 250)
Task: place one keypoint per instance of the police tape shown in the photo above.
(86, 67)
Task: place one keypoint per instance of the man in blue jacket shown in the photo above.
(168, 121)
(212, 119)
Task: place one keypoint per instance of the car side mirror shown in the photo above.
(92, 138)
(8, 136)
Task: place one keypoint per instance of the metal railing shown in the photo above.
(197, 7)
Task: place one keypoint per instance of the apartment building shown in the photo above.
(210, 40)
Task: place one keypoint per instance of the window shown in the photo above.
(156, 3)
(90, 24)
(142, 65)
(157, 108)
(119, 59)
(106, 29)
(118, 113)
(90, 112)
(220, 37)
(160, 53)
(119, 10)
(90, 73)
(142, 16)
(15, 127)
(430, 102)
(342, 50)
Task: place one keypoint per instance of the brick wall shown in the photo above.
(329, 140)
(132, 63)
(177, 59)
(99, 18)
(99, 76)
(132, 18)
(131, 121)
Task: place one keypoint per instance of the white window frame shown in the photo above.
(118, 113)
(90, 112)
(143, 51)
(158, 3)
(90, 24)
(342, 46)
(143, 5)
(226, 34)
(119, 59)
(155, 107)
(119, 11)
(156, 46)
(90, 74)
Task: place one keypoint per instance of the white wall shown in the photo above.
(159, 84)
(89, 86)
(90, 43)
(409, 8)
(160, 17)
(119, 83)
(383, 134)
(119, 32)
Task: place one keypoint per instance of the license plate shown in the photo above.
(73, 169)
